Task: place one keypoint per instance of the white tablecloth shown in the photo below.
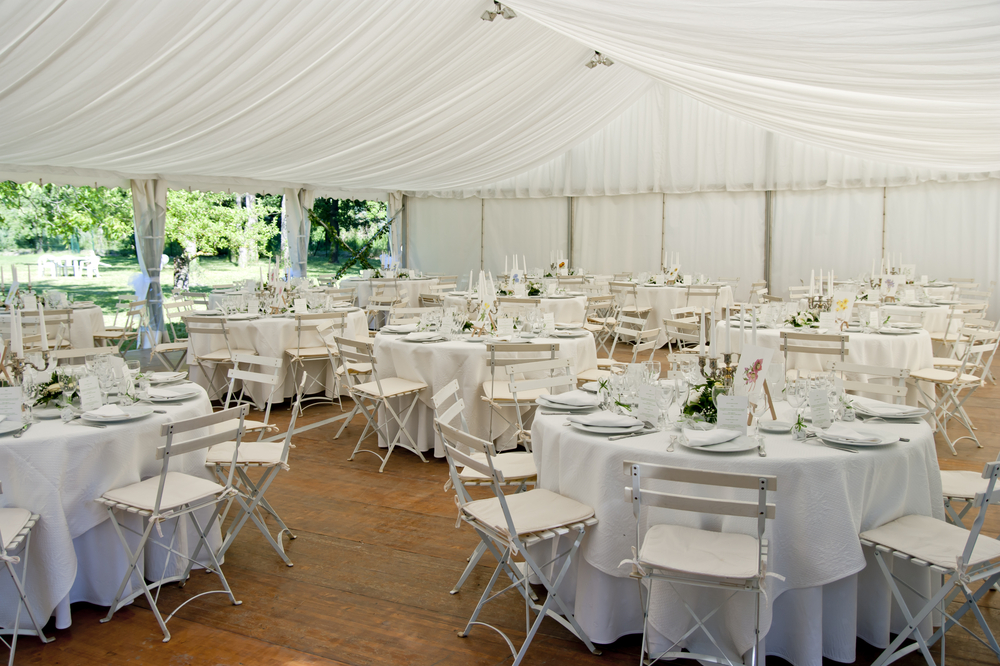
(271, 336)
(84, 323)
(665, 299)
(413, 289)
(568, 310)
(57, 471)
(436, 364)
(832, 592)
(935, 318)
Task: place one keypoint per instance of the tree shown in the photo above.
(336, 216)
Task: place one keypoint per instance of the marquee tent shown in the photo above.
(873, 122)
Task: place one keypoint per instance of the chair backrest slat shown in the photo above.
(741, 509)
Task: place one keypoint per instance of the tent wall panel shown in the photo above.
(948, 230)
(529, 227)
(614, 234)
(719, 234)
(838, 229)
(445, 235)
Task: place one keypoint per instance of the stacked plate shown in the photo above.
(399, 328)
(605, 423)
(718, 440)
(159, 378)
(877, 409)
(571, 401)
(425, 336)
(116, 414)
(841, 434)
(907, 325)
(570, 333)
(570, 326)
(896, 331)
(172, 394)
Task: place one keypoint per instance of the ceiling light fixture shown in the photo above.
(498, 10)
(599, 59)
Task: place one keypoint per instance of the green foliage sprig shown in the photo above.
(701, 403)
(362, 255)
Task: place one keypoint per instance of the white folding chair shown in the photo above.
(15, 540)
(796, 293)
(669, 553)
(245, 375)
(633, 330)
(377, 393)
(600, 320)
(557, 373)
(706, 295)
(958, 555)
(212, 361)
(172, 495)
(400, 315)
(757, 291)
(272, 457)
(805, 343)
(135, 323)
(174, 313)
(496, 390)
(517, 467)
(627, 299)
(958, 385)
(346, 295)
(509, 525)
(318, 325)
(894, 391)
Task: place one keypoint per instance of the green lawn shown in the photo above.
(115, 277)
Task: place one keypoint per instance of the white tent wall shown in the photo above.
(616, 234)
(948, 230)
(529, 227)
(444, 235)
(720, 234)
(824, 229)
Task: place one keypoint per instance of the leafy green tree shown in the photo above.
(337, 216)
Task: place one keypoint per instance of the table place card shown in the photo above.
(10, 402)
(505, 326)
(828, 320)
(688, 279)
(253, 305)
(819, 407)
(11, 293)
(300, 306)
(549, 323)
(90, 393)
(843, 305)
(732, 412)
(649, 404)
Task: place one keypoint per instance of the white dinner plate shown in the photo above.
(918, 412)
(242, 316)
(604, 430)
(8, 426)
(559, 296)
(920, 305)
(568, 326)
(132, 412)
(741, 443)
(559, 407)
(944, 302)
(591, 387)
(207, 313)
(896, 331)
(884, 440)
(907, 325)
(182, 394)
(776, 427)
(166, 377)
(46, 413)
(578, 333)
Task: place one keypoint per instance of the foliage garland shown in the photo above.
(362, 253)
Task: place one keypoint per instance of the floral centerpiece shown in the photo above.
(803, 319)
(534, 289)
(700, 405)
(46, 391)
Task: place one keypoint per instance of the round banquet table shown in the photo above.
(412, 286)
(271, 336)
(832, 592)
(913, 351)
(569, 309)
(436, 364)
(57, 471)
(84, 323)
(662, 299)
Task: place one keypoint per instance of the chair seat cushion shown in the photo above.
(962, 484)
(356, 368)
(12, 521)
(249, 425)
(516, 466)
(310, 352)
(262, 453)
(222, 355)
(532, 511)
(947, 362)
(932, 540)
(179, 489)
(939, 375)
(390, 386)
(501, 391)
(170, 346)
(700, 552)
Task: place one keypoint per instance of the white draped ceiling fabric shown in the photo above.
(708, 105)
(149, 205)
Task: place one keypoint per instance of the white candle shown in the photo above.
(753, 339)
(29, 275)
(701, 335)
(727, 349)
(16, 341)
(505, 271)
(831, 282)
(13, 271)
(524, 264)
(812, 283)
(714, 336)
(743, 327)
(41, 327)
(821, 283)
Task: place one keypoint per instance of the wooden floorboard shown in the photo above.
(375, 557)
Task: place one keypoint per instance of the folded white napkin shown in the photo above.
(165, 376)
(698, 438)
(163, 393)
(106, 411)
(400, 328)
(849, 434)
(424, 335)
(605, 420)
(880, 408)
(573, 399)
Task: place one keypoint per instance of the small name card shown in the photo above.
(253, 305)
(649, 404)
(90, 393)
(827, 320)
(819, 406)
(732, 412)
(549, 320)
(505, 327)
(299, 305)
(10, 402)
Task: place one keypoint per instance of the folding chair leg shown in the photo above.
(133, 559)
(477, 555)
(23, 601)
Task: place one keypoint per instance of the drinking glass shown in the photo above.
(795, 396)
(758, 407)
(28, 394)
(652, 371)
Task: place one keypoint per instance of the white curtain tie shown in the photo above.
(13, 559)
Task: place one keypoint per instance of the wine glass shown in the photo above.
(668, 393)
(29, 394)
(652, 371)
(682, 388)
(758, 407)
(795, 396)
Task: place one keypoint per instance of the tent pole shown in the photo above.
(569, 230)
(663, 227)
(883, 222)
(482, 235)
(405, 240)
(768, 229)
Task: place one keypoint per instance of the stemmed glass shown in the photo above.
(29, 394)
(758, 407)
(652, 371)
(795, 396)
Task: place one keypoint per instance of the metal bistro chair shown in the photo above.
(496, 390)
(15, 540)
(511, 524)
(673, 553)
(171, 495)
(799, 343)
(330, 323)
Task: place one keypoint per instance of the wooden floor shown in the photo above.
(374, 559)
